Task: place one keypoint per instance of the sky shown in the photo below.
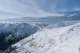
(59, 5)
(36, 8)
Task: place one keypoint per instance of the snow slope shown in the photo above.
(12, 32)
(51, 40)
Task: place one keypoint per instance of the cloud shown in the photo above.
(19, 8)
(76, 9)
(22, 8)
(35, 8)
(58, 5)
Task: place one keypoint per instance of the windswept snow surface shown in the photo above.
(52, 40)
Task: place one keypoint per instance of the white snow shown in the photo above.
(52, 40)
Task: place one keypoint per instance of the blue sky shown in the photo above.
(35, 8)
(59, 5)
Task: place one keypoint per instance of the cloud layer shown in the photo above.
(36, 8)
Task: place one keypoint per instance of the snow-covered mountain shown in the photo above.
(50, 40)
(11, 33)
(39, 26)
